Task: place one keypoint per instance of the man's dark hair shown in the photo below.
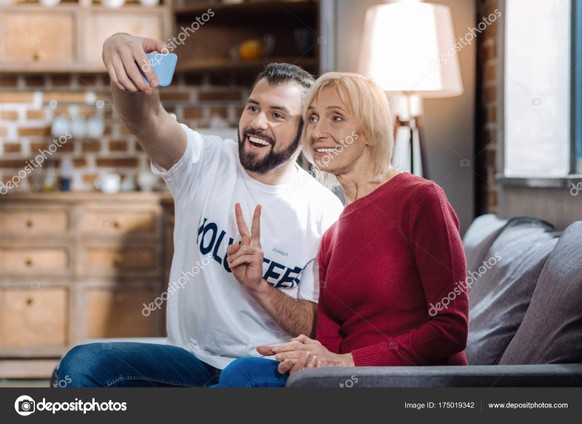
(282, 73)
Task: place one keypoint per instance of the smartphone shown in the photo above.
(164, 66)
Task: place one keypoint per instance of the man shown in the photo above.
(213, 319)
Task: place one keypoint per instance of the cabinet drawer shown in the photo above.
(110, 260)
(102, 24)
(18, 260)
(121, 221)
(30, 37)
(24, 221)
(33, 317)
(113, 312)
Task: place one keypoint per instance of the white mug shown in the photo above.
(108, 183)
(94, 127)
(147, 181)
(78, 127)
(149, 3)
(60, 126)
(113, 3)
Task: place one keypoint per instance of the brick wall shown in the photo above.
(29, 104)
(487, 114)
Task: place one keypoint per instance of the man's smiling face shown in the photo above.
(269, 128)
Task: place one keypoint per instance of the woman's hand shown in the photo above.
(302, 352)
(245, 259)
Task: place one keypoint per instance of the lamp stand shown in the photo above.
(409, 154)
(421, 146)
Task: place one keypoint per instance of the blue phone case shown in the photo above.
(164, 66)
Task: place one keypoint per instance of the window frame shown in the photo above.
(574, 175)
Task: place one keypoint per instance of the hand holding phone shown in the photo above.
(163, 65)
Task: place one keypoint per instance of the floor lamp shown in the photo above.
(410, 149)
(408, 47)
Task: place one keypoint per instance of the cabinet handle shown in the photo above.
(29, 223)
(29, 300)
(118, 261)
(116, 224)
(28, 262)
(36, 56)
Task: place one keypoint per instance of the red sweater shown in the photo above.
(392, 272)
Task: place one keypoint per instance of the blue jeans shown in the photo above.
(252, 372)
(129, 364)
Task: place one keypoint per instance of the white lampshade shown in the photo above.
(410, 47)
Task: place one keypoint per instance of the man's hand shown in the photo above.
(246, 259)
(157, 132)
(125, 58)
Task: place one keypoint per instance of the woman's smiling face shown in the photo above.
(332, 134)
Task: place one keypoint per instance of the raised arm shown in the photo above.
(138, 103)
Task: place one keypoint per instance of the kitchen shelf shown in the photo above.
(83, 3)
(238, 12)
(213, 46)
(241, 66)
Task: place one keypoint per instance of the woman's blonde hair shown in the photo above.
(369, 106)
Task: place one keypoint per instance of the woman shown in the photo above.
(391, 268)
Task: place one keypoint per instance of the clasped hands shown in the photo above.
(303, 352)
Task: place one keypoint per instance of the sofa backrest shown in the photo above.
(551, 330)
(502, 281)
(480, 236)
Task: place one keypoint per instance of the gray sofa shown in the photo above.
(525, 319)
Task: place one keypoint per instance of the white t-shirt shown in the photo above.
(208, 311)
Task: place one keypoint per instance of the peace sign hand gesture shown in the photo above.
(246, 258)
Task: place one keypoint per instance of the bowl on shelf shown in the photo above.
(149, 3)
(108, 182)
(49, 2)
(147, 181)
(113, 3)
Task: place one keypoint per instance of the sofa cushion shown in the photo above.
(551, 331)
(554, 375)
(479, 237)
(500, 288)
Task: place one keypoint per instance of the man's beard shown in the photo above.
(273, 159)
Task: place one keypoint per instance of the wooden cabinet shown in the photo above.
(28, 260)
(25, 36)
(22, 221)
(34, 317)
(78, 266)
(208, 35)
(107, 311)
(69, 37)
(139, 21)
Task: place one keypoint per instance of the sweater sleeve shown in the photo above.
(327, 330)
(435, 243)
